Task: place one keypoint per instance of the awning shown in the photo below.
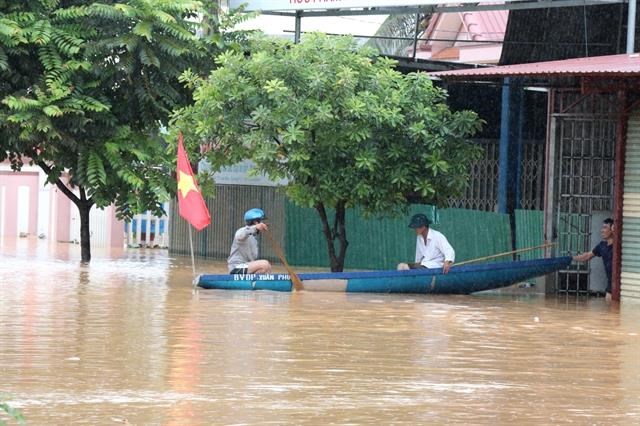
(610, 66)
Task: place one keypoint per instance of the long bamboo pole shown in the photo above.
(297, 283)
(504, 254)
(193, 260)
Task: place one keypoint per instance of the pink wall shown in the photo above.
(57, 210)
(61, 211)
(11, 182)
(115, 229)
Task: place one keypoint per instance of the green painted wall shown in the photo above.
(383, 243)
(529, 233)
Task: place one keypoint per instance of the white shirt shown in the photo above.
(435, 251)
(244, 248)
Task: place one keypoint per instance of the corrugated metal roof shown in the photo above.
(464, 37)
(612, 66)
(487, 25)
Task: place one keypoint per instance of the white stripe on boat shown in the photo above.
(325, 285)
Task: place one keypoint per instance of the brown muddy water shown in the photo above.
(126, 341)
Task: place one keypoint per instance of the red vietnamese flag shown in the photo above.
(190, 202)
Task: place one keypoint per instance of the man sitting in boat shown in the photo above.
(432, 247)
(243, 258)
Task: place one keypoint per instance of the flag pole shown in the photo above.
(191, 205)
(193, 261)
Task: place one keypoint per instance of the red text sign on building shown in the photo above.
(272, 5)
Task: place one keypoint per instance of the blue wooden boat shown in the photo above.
(464, 279)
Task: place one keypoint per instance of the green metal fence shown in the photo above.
(529, 233)
(373, 243)
(383, 243)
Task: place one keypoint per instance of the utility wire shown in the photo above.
(460, 41)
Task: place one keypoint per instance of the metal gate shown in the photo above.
(482, 190)
(583, 134)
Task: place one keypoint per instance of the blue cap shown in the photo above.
(254, 214)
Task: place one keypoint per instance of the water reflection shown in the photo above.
(124, 339)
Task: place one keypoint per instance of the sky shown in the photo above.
(365, 25)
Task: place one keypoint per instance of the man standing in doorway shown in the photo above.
(604, 249)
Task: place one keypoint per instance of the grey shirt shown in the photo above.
(244, 248)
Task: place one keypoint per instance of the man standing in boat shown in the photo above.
(432, 247)
(604, 249)
(243, 258)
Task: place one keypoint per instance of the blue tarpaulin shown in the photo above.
(143, 224)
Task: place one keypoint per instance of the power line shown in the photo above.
(581, 43)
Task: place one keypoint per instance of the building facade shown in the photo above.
(29, 207)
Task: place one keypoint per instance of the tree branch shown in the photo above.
(61, 186)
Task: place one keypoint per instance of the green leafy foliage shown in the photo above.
(11, 412)
(85, 87)
(338, 122)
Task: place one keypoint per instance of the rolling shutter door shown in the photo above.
(630, 272)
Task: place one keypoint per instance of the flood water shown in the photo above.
(125, 340)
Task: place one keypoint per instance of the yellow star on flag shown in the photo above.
(186, 184)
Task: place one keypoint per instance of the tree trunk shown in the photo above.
(84, 207)
(210, 24)
(338, 232)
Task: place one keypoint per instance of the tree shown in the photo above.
(396, 34)
(85, 88)
(339, 123)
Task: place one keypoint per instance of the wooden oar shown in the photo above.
(504, 254)
(297, 283)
